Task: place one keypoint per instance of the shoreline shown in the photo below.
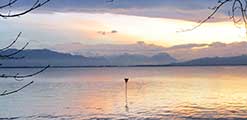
(115, 66)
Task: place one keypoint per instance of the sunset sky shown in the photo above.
(96, 22)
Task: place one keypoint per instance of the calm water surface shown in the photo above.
(179, 93)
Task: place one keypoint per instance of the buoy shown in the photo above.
(126, 80)
(126, 93)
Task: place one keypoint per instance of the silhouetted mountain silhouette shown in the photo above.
(41, 57)
(235, 60)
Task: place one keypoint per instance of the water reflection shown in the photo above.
(152, 93)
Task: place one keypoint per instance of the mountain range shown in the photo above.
(215, 61)
(182, 52)
(43, 57)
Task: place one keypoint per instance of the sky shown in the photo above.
(122, 22)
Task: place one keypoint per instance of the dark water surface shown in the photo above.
(179, 93)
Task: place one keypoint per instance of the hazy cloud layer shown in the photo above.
(178, 9)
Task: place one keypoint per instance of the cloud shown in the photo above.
(106, 33)
(178, 9)
(114, 31)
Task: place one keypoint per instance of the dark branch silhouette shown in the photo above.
(17, 76)
(216, 9)
(11, 55)
(4, 54)
(20, 78)
(10, 3)
(6, 92)
(12, 43)
(237, 6)
(36, 5)
(110, 1)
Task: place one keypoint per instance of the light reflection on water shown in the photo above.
(153, 93)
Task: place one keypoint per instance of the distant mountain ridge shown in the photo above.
(43, 57)
(136, 59)
(215, 61)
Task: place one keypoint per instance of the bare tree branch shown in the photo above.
(110, 1)
(11, 2)
(6, 92)
(12, 43)
(236, 6)
(18, 76)
(11, 55)
(215, 10)
(36, 5)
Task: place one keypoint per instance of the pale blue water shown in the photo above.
(180, 93)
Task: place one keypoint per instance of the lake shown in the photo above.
(180, 93)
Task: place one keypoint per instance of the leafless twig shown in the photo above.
(12, 43)
(4, 51)
(36, 5)
(10, 3)
(6, 92)
(237, 6)
(18, 77)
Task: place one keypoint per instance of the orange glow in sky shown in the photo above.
(130, 29)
